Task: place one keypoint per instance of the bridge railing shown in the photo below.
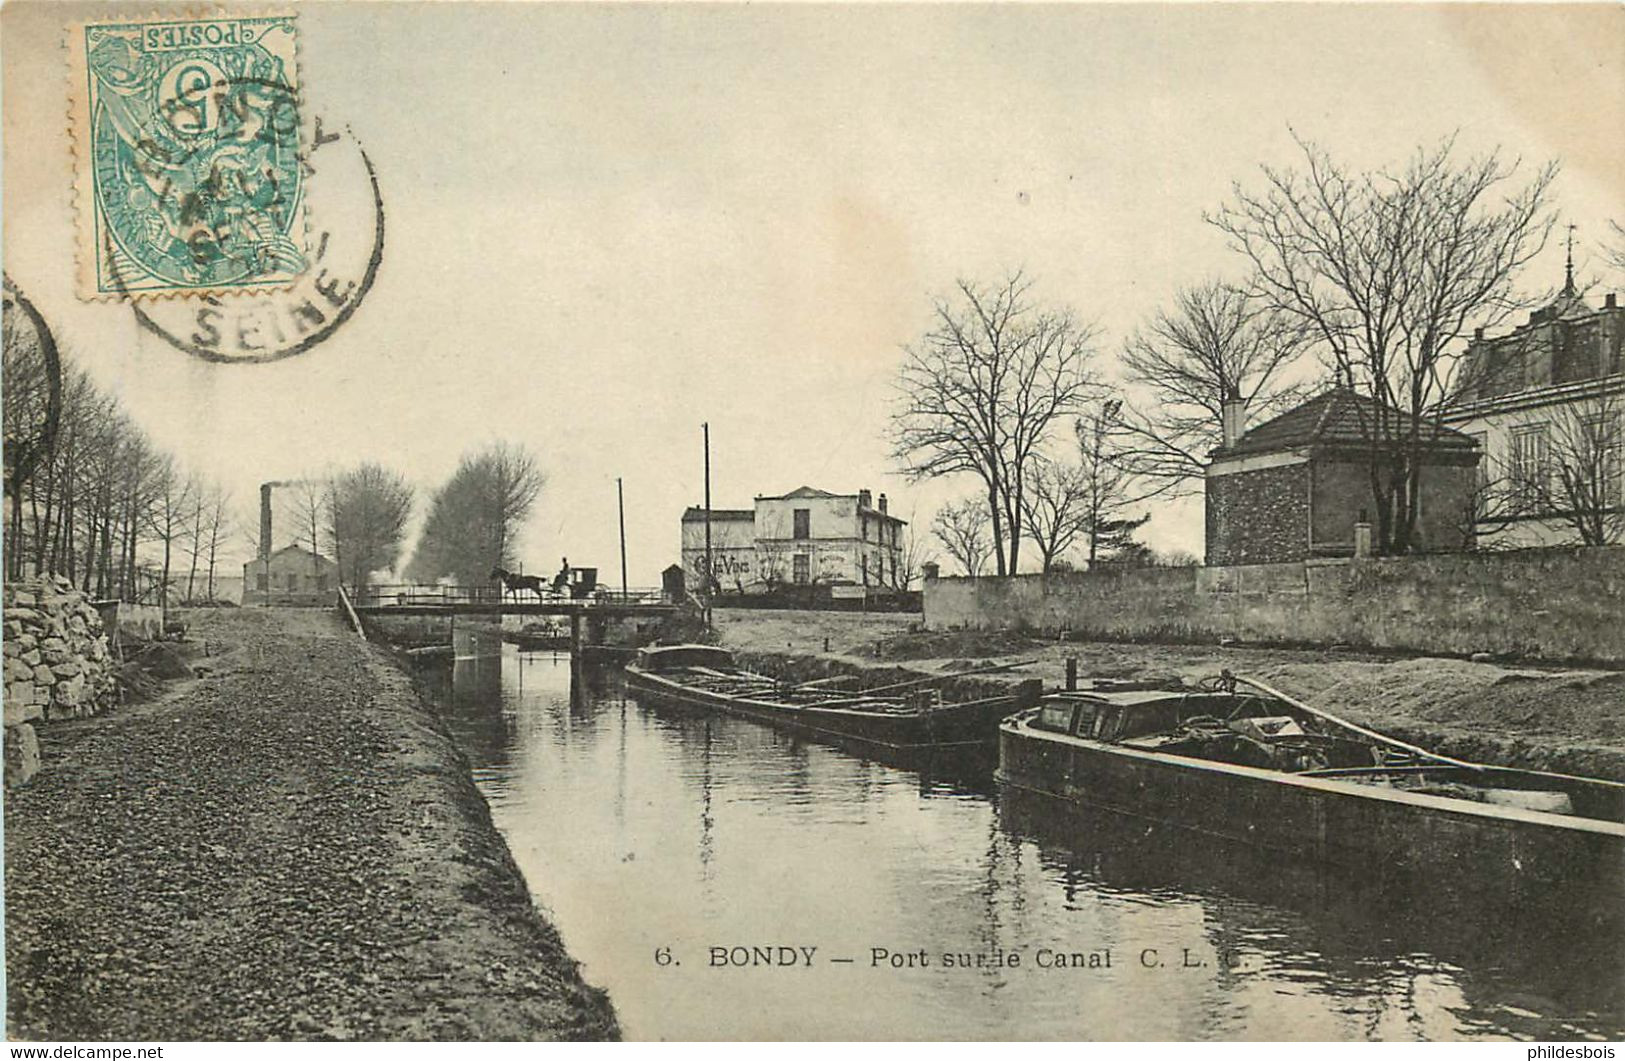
(410, 594)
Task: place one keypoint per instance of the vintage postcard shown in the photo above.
(933, 522)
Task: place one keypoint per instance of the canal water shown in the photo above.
(724, 880)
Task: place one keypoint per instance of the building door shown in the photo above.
(802, 569)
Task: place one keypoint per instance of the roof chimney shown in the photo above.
(1611, 301)
(1232, 419)
(865, 499)
(882, 504)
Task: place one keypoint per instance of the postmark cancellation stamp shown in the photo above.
(187, 167)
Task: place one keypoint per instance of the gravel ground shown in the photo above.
(1572, 720)
(287, 848)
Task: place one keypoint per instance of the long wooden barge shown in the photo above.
(1243, 762)
(905, 725)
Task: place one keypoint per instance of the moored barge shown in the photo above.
(1237, 760)
(897, 726)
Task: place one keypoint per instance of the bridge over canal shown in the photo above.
(591, 617)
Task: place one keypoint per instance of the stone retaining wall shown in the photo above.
(57, 665)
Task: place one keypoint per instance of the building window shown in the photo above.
(262, 581)
(321, 583)
(863, 570)
(1604, 434)
(1529, 465)
(803, 524)
(802, 569)
(1483, 440)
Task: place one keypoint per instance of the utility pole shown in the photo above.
(706, 428)
(620, 504)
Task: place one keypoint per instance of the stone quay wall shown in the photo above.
(58, 664)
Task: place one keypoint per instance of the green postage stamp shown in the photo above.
(187, 168)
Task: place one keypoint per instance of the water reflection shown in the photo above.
(640, 827)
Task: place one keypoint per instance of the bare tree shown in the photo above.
(962, 528)
(913, 553)
(1567, 464)
(174, 494)
(309, 501)
(217, 509)
(203, 538)
(1056, 509)
(32, 405)
(143, 477)
(475, 518)
(1107, 484)
(1214, 343)
(980, 392)
(1494, 505)
(771, 571)
(1614, 250)
(1389, 269)
(369, 507)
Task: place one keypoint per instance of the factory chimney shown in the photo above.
(265, 520)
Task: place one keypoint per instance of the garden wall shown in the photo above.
(1553, 604)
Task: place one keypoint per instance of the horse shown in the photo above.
(512, 583)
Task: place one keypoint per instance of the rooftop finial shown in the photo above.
(1568, 269)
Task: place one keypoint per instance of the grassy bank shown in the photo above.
(287, 848)
(1570, 720)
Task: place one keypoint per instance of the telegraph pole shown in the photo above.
(620, 503)
(706, 428)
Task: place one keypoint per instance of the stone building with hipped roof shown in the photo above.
(1294, 487)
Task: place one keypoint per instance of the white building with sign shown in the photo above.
(805, 537)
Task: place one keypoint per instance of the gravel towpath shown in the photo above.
(287, 848)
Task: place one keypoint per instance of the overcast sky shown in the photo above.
(610, 223)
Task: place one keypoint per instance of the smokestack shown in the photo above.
(265, 520)
(1232, 419)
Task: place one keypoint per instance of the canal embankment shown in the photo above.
(288, 847)
(1566, 719)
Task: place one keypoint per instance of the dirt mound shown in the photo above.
(136, 685)
(159, 659)
(923, 644)
(1580, 706)
(686, 627)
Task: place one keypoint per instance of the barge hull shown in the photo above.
(1335, 822)
(963, 728)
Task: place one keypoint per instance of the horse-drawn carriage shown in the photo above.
(571, 583)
